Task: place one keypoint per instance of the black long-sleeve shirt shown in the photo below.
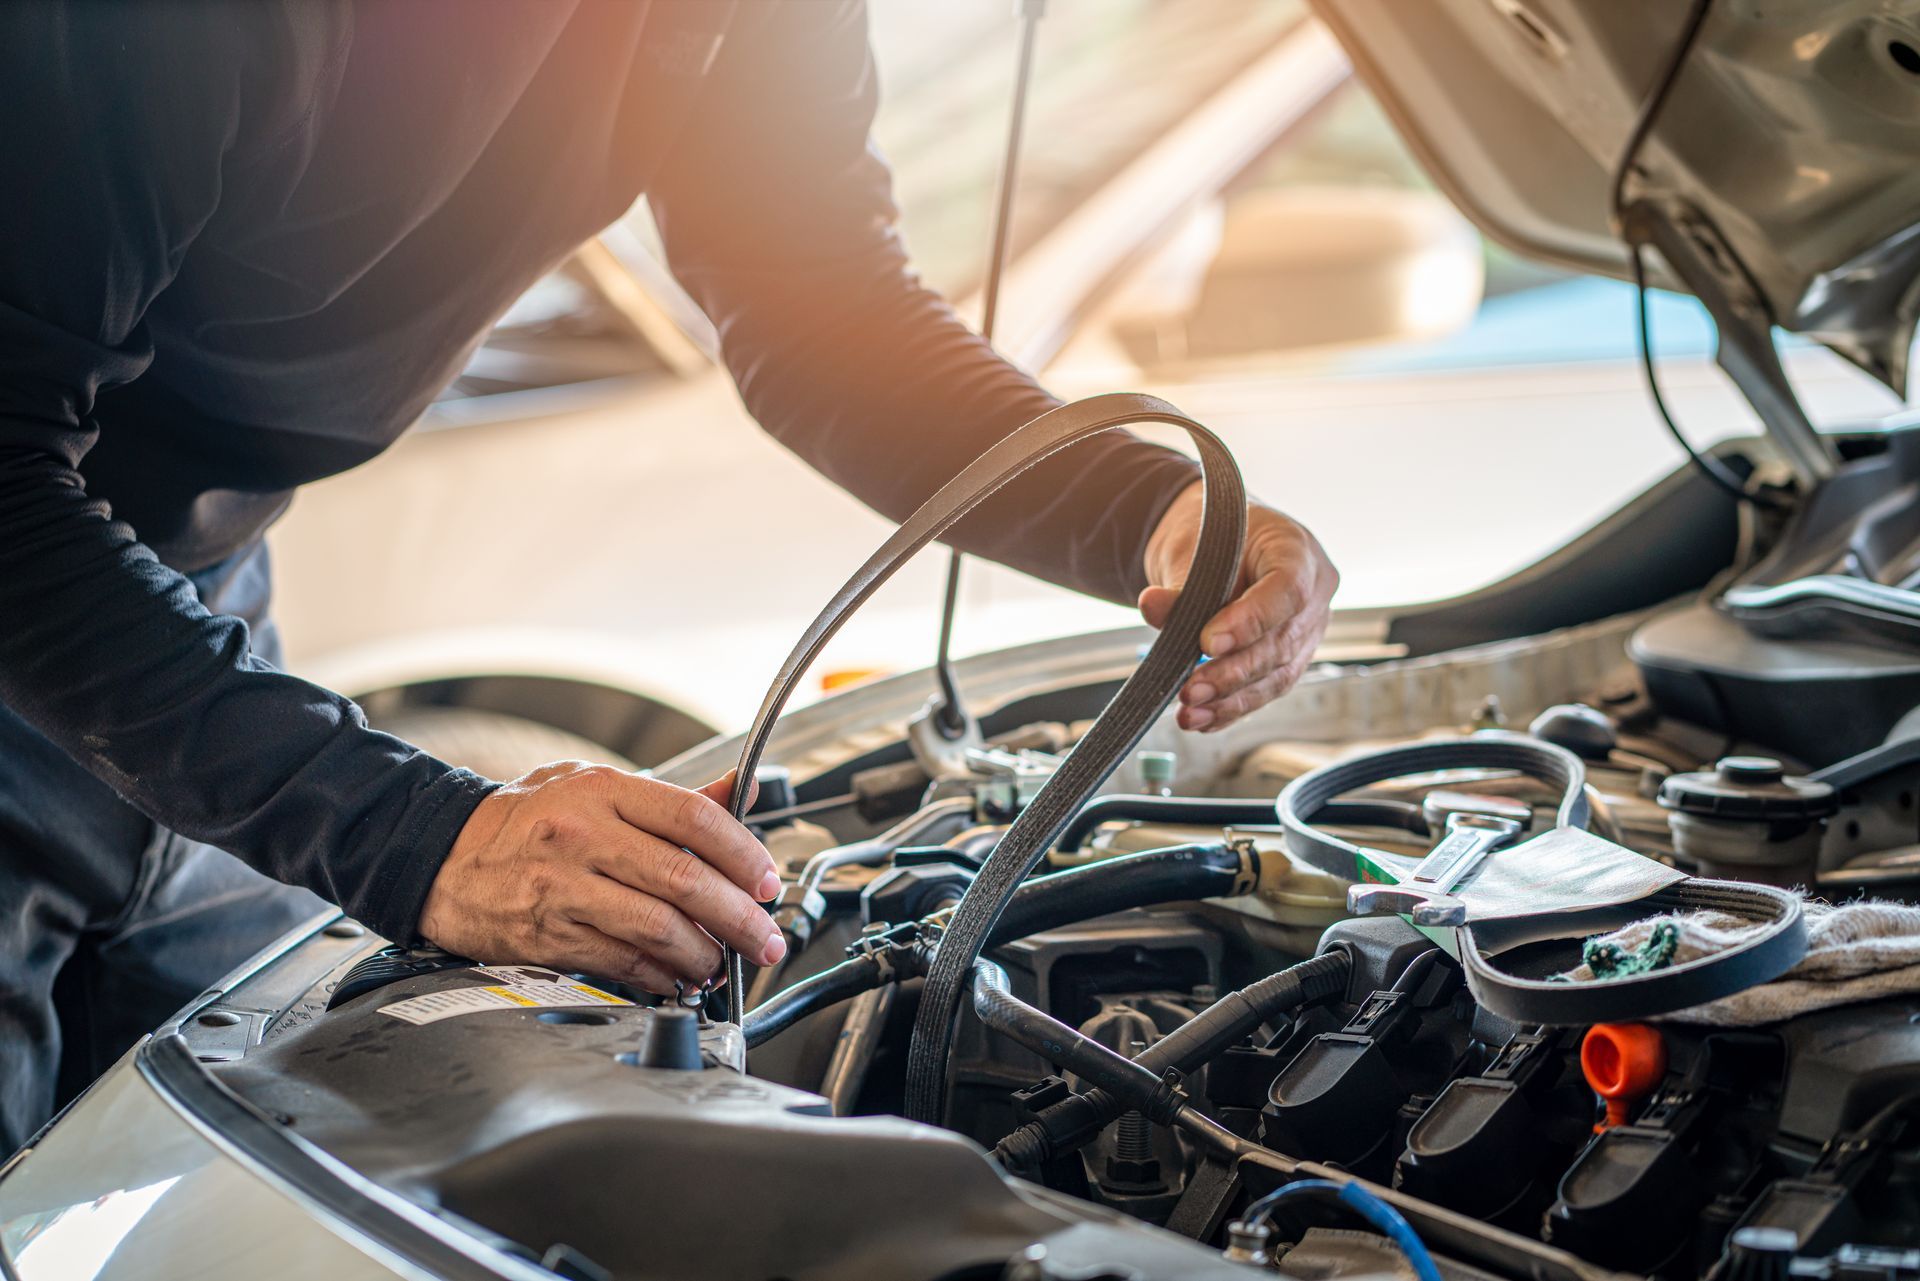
(243, 244)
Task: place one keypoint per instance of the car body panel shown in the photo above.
(125, 1188)
(1790, 132)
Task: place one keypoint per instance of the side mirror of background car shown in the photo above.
(1300, 268)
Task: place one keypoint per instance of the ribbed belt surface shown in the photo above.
(1210, 582)
(1767, 955)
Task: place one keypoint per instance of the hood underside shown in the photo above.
(1787, 153)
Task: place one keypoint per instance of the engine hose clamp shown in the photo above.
(1246, 877)
(1169, 1100)
(1766, 954)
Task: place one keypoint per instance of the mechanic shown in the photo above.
(244, 245)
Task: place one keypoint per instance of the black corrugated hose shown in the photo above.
(1072, 1049)
(1072, 1123)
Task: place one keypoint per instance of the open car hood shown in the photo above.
(1783, 162)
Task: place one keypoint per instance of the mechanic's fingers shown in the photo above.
(1254, 696)
(717, 905)
(1223, 710)
(699, 823)
(1259, 610)
(651, 925)
(603, 957)
(1194, 717)
(1223, 676)
(720, 790)
(1218, 677)
(1282, 591)
(1156, 603)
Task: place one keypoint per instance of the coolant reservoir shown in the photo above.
(1748, 819)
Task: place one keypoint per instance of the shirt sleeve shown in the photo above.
(119, 119)
(778, 218)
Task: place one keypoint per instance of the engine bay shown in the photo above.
(1527, 958)
(1183, 1056)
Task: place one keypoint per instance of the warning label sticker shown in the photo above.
(516, 974)
(522, 995)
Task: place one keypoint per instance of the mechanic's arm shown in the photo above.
(119, 119)
(779, 220)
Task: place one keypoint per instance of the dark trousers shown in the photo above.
(109, 923)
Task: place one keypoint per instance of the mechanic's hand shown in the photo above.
(1263, 639)
(590, 868)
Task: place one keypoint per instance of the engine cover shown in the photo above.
(537, 1127)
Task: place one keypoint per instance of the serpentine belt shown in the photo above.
(1769, 953)
(1210, 581)
(1304, 798)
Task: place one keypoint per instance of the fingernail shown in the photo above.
(1198, 717)
(1220, 643)
(769, 887)
(775, 949)
(1198, 694)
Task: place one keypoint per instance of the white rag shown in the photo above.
(1858, 951)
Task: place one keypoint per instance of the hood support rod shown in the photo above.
(1695, 252)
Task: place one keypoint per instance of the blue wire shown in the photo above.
(1392, 1224)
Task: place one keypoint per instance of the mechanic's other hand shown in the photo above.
(590, 868)
(1263, 639)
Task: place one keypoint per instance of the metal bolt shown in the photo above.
(1133, 1138)
(1133, 1164)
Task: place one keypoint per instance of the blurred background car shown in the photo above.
(1237, 228)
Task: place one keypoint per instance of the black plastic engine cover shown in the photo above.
(1845, 1064)
(1819, 689)
(536, 1130)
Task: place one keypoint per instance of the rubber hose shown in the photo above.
(1236, 1014)
(1171, 875)
(1002, 1011)
(1192, 811)
(1217, 811)
(815, 993)
(1072, 1123)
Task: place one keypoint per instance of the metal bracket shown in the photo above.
(942, 757)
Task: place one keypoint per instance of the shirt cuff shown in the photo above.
(391, 903)
(1144, 505)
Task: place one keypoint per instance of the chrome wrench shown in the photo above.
(1425, 896)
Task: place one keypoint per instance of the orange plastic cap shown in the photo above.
(1623, 1062)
